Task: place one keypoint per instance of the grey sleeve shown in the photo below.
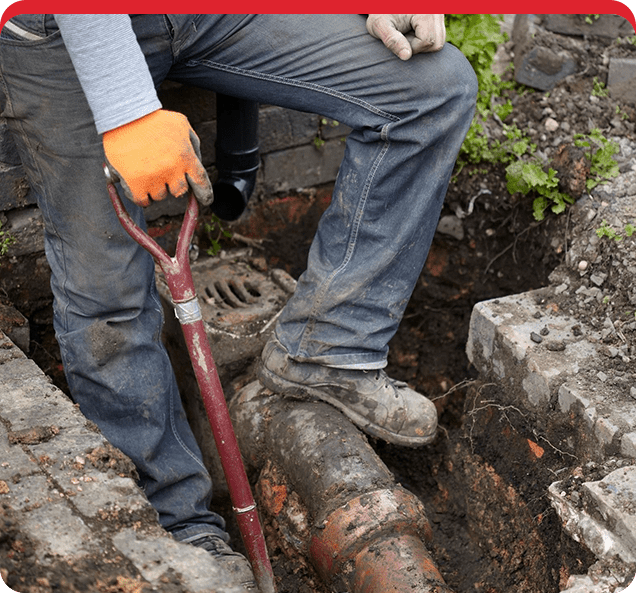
(110, 66)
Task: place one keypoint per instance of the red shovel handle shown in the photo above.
(179, 279)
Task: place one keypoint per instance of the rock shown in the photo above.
(536, 64)
(621, 79)
(551, 125)
(573, 169)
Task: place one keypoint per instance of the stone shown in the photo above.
(604, 25)
(621, 79)
(536, 64)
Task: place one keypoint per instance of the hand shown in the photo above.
(408, 34)
(156, 156)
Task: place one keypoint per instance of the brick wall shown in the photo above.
(296, 149)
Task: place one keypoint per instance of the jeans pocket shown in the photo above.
(29, 29)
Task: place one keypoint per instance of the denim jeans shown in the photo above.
(408, 121)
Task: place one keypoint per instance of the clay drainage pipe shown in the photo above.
(331, 498)
(178, 277)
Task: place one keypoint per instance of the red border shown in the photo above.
(283, 6)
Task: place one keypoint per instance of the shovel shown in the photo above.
(179, 280)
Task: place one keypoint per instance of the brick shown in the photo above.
(606, 25)
(303, 166)
(27, 227)
(156, 557)
(628, 445)
(614, 498)
(14, 189)
(15, 326)
(500, 346)
(605, 430)
(8, 151)
(280, 128)
(621, 79)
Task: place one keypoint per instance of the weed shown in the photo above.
(214, 230)
(527, 177)
(600, 152)
(605, 230)
(624, 116)
(598, 89)
(6, 240)
(590, 18)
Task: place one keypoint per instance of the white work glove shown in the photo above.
(408, 34)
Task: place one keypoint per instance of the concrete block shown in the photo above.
(585, 525)
(15, 325)
(571, 396)
(280, 128)
(155, 557)
(8, 151)
(605, 431)
(14, 188)
(621, 79)
(615, 499)
(505, 342)
(70, 502)
(303, 166)
(58, 531)
(628, 445)
(27, 227)
(606, 25)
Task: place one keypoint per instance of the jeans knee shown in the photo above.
(459, 80)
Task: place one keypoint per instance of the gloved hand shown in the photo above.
(156, 156)
(408, 34)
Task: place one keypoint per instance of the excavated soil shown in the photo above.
(483, 487)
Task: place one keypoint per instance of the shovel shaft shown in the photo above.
(179, 280)
(227, 445)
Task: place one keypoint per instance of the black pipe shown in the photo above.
(237, 156)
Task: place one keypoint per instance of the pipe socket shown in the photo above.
(331, 498)
(237, 158)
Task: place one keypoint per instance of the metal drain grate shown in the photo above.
(233, 294)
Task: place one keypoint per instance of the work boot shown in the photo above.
(233, 562)
(379, 405)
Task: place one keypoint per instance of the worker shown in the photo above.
(80, 90)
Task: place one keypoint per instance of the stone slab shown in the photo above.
(621, 79)
(69, 502)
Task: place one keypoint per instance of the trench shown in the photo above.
(484, 481)
(483, 487)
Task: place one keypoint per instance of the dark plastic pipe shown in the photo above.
(237, 158)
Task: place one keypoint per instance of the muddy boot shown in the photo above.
(233, 562)
(379, 405)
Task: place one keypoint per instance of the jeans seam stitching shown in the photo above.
(296, 83)
(351, 244)
(176, 434)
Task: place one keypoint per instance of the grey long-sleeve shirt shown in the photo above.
(110, 66)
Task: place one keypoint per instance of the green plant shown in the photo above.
(214, 230)
(590, 18)
(6, 240)
(621, 113)
(598, 88)
(524, 177)
(478, 36)
(600, 152)
(605, 230)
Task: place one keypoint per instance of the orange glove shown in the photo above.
(155, 156)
